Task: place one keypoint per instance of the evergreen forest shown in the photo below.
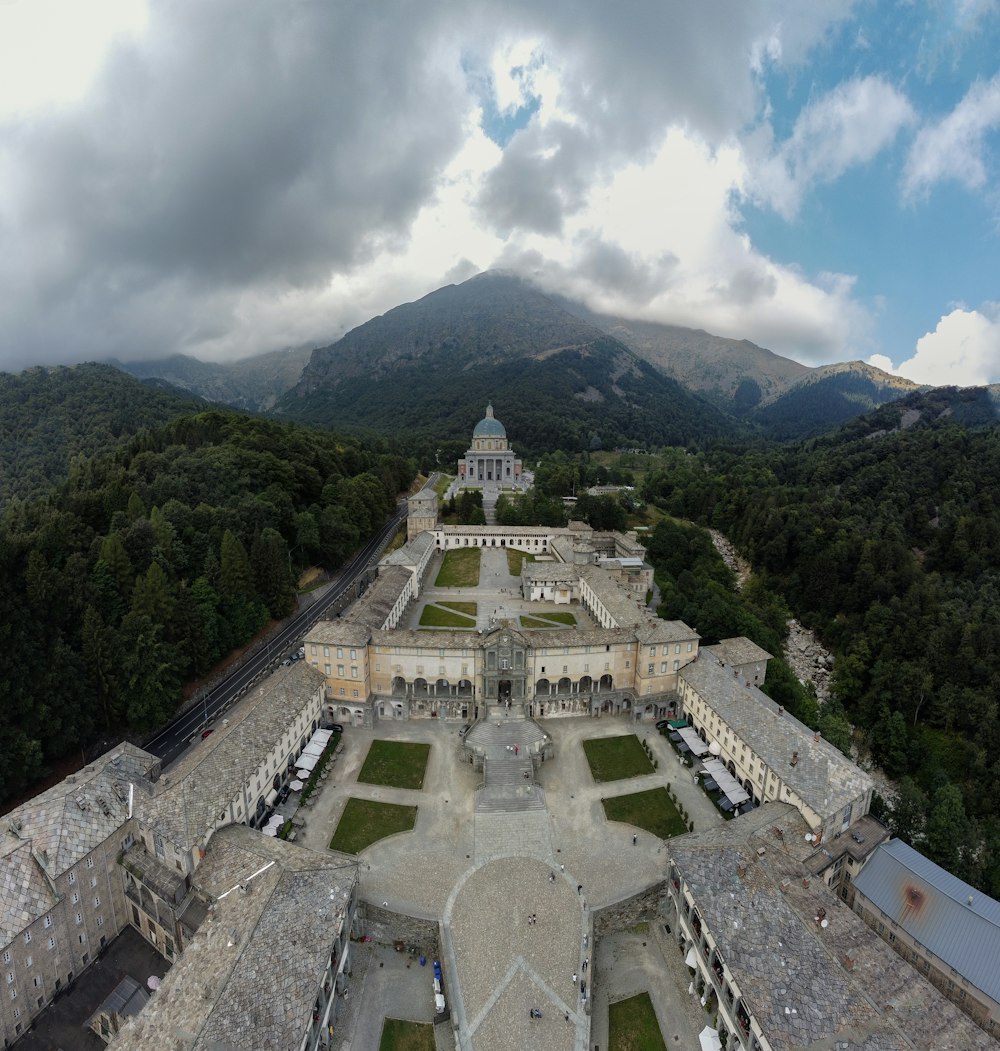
(151, 563)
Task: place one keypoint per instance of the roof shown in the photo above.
(740, 650)
(373, 608)
(249, 978)
(956, 922)
(25, 893)
(186, 807)
(66, 822)
(489, 426)
(805, 983)
(411, 553)
(127, 999)
(823, 777)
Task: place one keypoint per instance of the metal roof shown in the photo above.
(956, 922)
(489, 426)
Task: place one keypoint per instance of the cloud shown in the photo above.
(963, 350)
(954, 147)
(225, 179)
(845, 128)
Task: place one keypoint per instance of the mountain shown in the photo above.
(827, 397)
(49, 416)
(425, 370)
(251, 384)
(735, 374)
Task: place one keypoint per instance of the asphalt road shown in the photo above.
(174, 738)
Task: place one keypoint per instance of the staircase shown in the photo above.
(508, 775)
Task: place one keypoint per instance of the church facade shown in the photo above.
(489, 460)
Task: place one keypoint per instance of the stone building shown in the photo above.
(61, 893)
(780, 962)
(948, 930)
(489, 460)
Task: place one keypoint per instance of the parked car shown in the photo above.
(663, 724)
(205, 733)
(337, 728)
(465, 729)
(301, 652)
(286, 662)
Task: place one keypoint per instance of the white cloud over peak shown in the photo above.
(963, 350)
(954, 147)
(848, 126)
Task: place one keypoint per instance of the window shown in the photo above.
(628, 664)
(79, 917)
(690, 646)
(354, 692)
(326, 651)
(354, 672)
(652, 651)
(327, 668)
(72, 877)
(36, 981)
(97, 901)
(651, 669)
(52, 943)
(663, 667)
(6, 956)
(90, 863)
(340, 653)
(677, 648)
(93, 882)
(10, 977)
(343, 692)
(48, 921)
(312, 648)
(27, 937)
(13, 994)
(677, 664)
(354, 655)
(75, 898)
(100, 921)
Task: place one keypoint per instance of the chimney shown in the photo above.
(795, 758)
(781, 709)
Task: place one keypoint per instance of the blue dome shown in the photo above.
(489, 426)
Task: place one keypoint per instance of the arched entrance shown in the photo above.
(586, 684)
(399, 685)
(503, 690)
(543, 687)
(607, 682)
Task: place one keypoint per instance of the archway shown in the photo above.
(731, 767)
(420, 688)
(399, 685)
(442, 686)
(503, 690)
(464, 688)
(586, 684)
(607, 683)
(564, 687)
(543, 687)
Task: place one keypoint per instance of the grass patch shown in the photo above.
(442, 484)
(534, 622)
(459, 569)
(365, 821)
(398, 1035)
(632, 1025)
(468, 608)
(397, 764)
(615, 758)
(560, 618)
(436, 617)
(516, 560)
(652, 811)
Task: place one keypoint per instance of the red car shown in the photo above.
(205, 733)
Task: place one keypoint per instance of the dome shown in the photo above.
(489, 426)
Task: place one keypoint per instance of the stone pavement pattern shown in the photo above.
(423, 874)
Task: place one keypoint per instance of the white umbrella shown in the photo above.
(153, 982)
(709, 1038)
(295, 786)
(303, 775)
(270, 831)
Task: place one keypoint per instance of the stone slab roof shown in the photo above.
(183, 807)
(560, 571)
(338, 633)
(411, 552)
(249, 978)
(740, 650)
(823, 776)
(806, 984)
(617, 599)
(25, 893)
(66, 822)
(375, 605)
(955, 921)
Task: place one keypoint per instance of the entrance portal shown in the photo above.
(503, 690)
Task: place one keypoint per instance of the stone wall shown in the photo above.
(388, 927)
(639, 908)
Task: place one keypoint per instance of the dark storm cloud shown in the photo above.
(238, 146)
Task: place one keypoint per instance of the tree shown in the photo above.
(949, 832)
(235, 576)
(102, 657)
(269, 556)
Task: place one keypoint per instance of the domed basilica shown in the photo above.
(490, 459)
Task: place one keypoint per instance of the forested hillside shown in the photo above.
(890, 547)
(149, 564)
(50, 416)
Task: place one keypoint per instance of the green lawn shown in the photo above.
(534, 622)
(560, 617)
(468, 608)
(614, 758)
(632, 1025)
(398, 1035)
(442, 484)
(652, 811)
(516, 560)
(436, 617)
(365, 822)
(398, 764)
(460, 568)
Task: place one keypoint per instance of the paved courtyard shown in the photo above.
(482, 875)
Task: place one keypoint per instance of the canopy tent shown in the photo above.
(676, 724)
(323, 736)
(295, 786)
(692, 958)
(731, 788)
(306, 762)
(303, 775)
(709, 1038)
(271, 797)
(693, 741)
(314, 749)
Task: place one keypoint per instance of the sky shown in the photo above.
(230, 177)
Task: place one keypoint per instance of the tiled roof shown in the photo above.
(823, 777)
(956, 922)
(532, 571)
(740, 650)
(804, 983)
(66, 822)
(375, 605)
(410, 553)
(250, 976)
(25, 893)
(185, 806)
